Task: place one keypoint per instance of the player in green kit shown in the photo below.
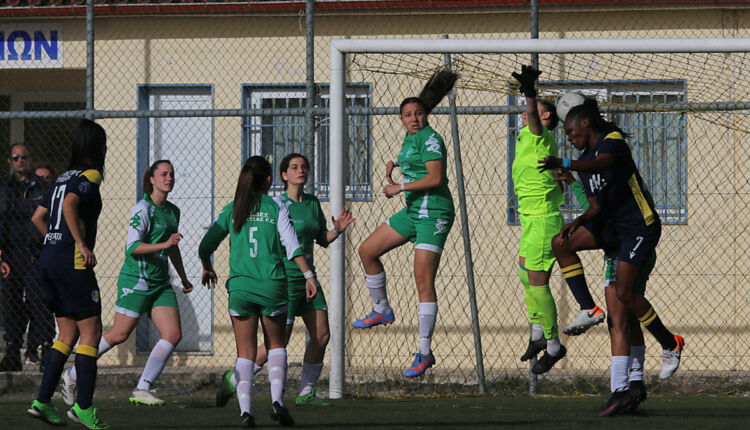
(262, 238)
(144, 284)
(310, 225)
(426, 220)
(539, 198)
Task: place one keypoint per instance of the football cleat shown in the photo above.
(421, 363)
(145, 397)
(86, 417)
(68, 387)
(247, 421)
(281, 414)
(670, 359)
(586, 319)
(226, 389)
(637, 393)
(621, 401)
(46, 412)
(534, 348)
(310, 399)
(374, 319)
(544, 364)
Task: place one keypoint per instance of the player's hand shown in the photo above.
(569, 229)
(187, 286)
(208, 278)
(527, 78)
(389, 171)
(89, 259)
(391, 190)
(562, 175)
(345, 218)
(311, 288)
(173, 240)
(549, 163)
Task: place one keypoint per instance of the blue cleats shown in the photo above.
(374, 319)
(421, 363)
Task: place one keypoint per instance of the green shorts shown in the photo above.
(610, 271)
(246, 303)
(537, 232)
(135, 297)
(298, 303)
(427, 233)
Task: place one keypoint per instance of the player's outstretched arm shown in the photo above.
(527, 78)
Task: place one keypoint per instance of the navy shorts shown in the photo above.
(632, 246)
(72, 293)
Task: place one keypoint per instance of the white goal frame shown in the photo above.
(341, 47)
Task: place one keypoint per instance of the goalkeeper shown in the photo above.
(539, 198)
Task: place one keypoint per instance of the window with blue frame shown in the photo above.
(275, 136)
(657, 140)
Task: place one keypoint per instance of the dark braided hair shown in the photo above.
(590, 110)
(439, 84)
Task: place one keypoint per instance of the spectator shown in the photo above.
(24, 302)
(45, 170)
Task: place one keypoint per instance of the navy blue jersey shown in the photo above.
(619, 190)
(60, 249)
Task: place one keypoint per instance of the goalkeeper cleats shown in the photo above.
(374, 319)
(46, 412)
(670, 359)
(86, 417)
(547, 361)
(421, 363)
(281, 414)
(145, 397)
(534, 348)
(226, 389)
(586, 319)
(621, 401)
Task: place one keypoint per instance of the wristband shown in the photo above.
(402, 187)
(395, 162)
(566, 163)
(309, 274)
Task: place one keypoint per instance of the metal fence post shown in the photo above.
(90, 59)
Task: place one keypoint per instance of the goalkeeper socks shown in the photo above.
(576, 281)
(619, 373)
(155, 364)
(54, 363)
(310, 375)
(536, 332)
(243, 370)
(651, 321)
(86, 356)
(104, 346)
(427, 316)
(546, 308)
(636, 362)
(277, 374)
(553, 346)
(531, 306)
(376, 285)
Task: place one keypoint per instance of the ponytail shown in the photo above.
(250, 186)
(439, 84)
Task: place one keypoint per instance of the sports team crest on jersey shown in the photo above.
(84, 187)
(433, 145)
(95, 296)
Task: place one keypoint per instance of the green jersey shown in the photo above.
(149, 223)
(310, 224)
(417, 149)
(537, 192)
(258, 251)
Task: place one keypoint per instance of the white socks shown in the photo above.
(155, 364)
(243, 370)
(103, 347)
(277, 373)
(637, 359)
(310, 375)
(537, 332)
(553, 346)
(427, 316)
(619, 373)
(376, 285)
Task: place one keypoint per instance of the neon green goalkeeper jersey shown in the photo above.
(537, 192)
(149, 223)
(417, 149)
(258, 251)
(310, 224)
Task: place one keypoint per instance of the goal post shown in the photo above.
(339, 48)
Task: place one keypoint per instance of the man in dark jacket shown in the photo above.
(23, 298)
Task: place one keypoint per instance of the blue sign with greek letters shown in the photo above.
(27, 46)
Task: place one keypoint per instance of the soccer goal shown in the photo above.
(684, 104)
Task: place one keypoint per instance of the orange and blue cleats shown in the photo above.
(375, 318)
(421, 363)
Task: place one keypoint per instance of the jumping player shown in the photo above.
(143, 284)
(261, 237)
(619, 217)
(67, 219)
(426, 220)
(539, 199)
(310, 225)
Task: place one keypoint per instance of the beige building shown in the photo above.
(252, 55)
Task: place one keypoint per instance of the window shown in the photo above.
(657, 141)
(275, 136)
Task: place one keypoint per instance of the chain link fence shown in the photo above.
(242, 75)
